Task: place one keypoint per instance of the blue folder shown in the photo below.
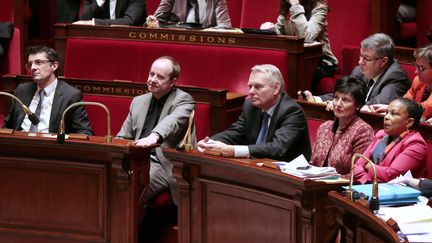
(390, 193)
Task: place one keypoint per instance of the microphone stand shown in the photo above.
(374, 201)
(32, 117)
(61, 132)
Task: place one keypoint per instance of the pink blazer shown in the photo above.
(408, 154)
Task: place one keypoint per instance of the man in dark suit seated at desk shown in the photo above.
(385, 78)
(47, 97)
(272, 124)
(159, 117)
(210, 13)
(108, 12)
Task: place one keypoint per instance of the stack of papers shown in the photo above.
(300, 167)
(415, 222)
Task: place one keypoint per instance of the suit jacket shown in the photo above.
(287, 135)
(416, 93)
(173, 11)
(172, 125)
(127, 12)
(391, 84)
(408, 154)
(76, 120)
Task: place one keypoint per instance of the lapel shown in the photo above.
(57, 103)
(272, 126)
(255, 125)
(142, 114)
(26, 100)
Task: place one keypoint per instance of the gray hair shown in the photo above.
(382, 43)
(273, 74)
(424, 53)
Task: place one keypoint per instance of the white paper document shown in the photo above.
(300, 167)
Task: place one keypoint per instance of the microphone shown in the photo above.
(31, 116)
(61, 132)
(374, 201)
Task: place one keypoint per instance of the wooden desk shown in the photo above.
(301, 60)
(79, 191)
(362, 226)
(225, 107)
(234, 200)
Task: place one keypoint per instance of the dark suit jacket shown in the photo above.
(127, 12)
(287, 136)
(393, 83)
(173, 11)
(76, 120)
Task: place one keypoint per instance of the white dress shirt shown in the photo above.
(45, 115)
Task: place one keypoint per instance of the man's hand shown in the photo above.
(267, 26)
(151, 139)
(293, 2)
(378, 108)
(366, 108)
(213, 147)
(152, 22)
(329, 106)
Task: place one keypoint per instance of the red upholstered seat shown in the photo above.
(410, 70)
(424, 21)
(152, 6)
(313, 126)
(254, 13)
(235, 12)
(118, 106)
(408, 30)
(129, 60)
(348, 31)
(202, 120)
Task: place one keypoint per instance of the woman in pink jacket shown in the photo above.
(397, 148)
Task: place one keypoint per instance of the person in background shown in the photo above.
(47, 97)
(397, 148)
(118, 12)
(210, 13)
(338, 140)
(421, 86)
(160, 116)
(307, 19)
(422, 184)
(272, 125)
(386, 80)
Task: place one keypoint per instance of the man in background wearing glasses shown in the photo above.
(47, 97)
(384, 77)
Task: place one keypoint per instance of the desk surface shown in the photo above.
(234, 200)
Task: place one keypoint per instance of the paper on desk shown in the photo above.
(408, 214)
(417, 232)
(313, 172)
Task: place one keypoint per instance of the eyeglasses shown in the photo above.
(37, 62)
(367, 59)
(420, 69)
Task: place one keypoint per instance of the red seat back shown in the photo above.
(424, 21)
(349, 22)
(129, 60)
(118, 107)
(202, 120)
(313, 125)
(255, 12)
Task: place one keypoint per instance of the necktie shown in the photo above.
(426, 94)
(369, 88)
(33, 128)
(194, 6)
(264, 127)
